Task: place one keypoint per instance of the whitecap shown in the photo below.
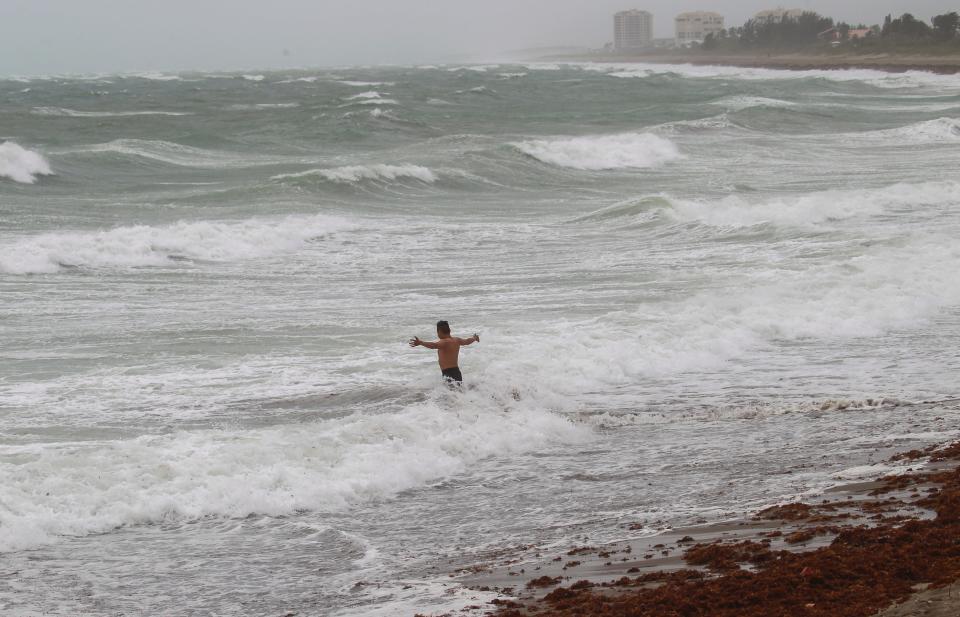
(603, 152)
(22, 165)
(370, 94)
(358, 173)
(143, 245)
(940, 130)
(73, 113)
(366, 84)
(739, 103)
(331, 466)
(166, 152)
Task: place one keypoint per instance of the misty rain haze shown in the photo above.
(701, 291)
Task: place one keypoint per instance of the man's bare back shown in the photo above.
(448, 350)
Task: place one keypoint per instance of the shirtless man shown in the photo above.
(448, 351)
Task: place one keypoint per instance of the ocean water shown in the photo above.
(711, 289)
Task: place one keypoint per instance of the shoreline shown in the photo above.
(872, 534)
(944, 65)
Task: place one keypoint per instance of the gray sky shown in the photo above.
(70, 36)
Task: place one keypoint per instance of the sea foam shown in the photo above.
(22, 165)
(359, 173)
(877, 78)
(73, 113)
(812, 209)
(142, 245)
(940, 130)
(168, 152)
(92, 487)
(370, 94)
(739, 103)
(603, 152)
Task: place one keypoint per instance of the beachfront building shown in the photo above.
(779, 14)
(632, 30)
(694, 27)
(835, 35)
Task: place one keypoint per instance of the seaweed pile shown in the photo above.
(906, 537)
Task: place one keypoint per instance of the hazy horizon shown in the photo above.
(103, 36)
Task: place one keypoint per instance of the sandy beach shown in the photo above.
(895, 63)
(883, 547)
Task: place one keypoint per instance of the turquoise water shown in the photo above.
(712, 289)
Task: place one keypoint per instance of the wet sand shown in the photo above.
(895, 63)
(943, 602)
(856, 550)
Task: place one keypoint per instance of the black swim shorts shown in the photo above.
(452, 375)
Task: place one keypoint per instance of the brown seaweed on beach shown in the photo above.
(864, 569)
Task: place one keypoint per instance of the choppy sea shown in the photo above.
(711, 289)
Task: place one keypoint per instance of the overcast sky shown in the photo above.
(71, 36)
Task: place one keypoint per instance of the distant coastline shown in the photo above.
(799, 61)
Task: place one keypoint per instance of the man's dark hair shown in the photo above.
(443, 326)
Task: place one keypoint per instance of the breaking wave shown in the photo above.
(940, 130)
(788, 211)
(603, 152)
(877, 78)
(167, 152)
(144, 246)
(739, 103)
(365, 84)
(22, 165)
(326, 466)
(73, 113)
(358, 173)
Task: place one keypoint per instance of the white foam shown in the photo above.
(371, 97)
(167, 152)
(142, 245)
(476, 68)
(870, 293)
(738, 103)
(256, 106)
(812, 209)
(90, 487)
(380, 113)
(870, 472)
(477, 90)
(253, 77)
(366, 84)
(73, 113)
(543, 66)
(378, 102)
(603, 152)
(711, 123)
(22, 165)
(940, 130)
(371, 94)
(154, 76)
(306, 80)
(881, 79)
(358, 173)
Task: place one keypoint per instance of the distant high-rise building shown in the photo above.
(632, 30)
(694, 27)
(779, 14)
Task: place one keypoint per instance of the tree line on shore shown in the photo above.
(811, 29)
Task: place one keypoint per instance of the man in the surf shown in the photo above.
(448, 352)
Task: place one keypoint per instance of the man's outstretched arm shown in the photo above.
(469, 341)
(416, 342)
